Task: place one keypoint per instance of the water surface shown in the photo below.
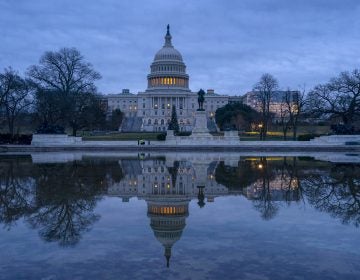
(178, 216)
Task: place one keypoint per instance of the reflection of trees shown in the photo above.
(264, 202)
(65, 199)
(16, 189)
(58, 199)
(290, 179)
(265, 181)
(336, 192)
(236, 178)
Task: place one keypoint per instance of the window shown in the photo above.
(149, 121)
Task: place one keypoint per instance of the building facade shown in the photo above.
(168, 86)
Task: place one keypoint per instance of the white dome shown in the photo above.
(168, 53)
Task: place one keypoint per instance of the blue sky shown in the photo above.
(226, 45)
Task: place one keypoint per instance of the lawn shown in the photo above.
(274, 135)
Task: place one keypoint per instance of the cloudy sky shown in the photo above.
(226, 45)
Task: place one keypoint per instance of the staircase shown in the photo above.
(131, 124)
(211, 125)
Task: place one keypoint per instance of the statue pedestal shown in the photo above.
(200, 127)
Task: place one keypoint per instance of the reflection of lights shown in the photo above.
(168, 186)
(156, 185)
(260, 166)
(260, 125)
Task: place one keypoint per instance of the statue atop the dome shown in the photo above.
(168, 37)
(201, 99)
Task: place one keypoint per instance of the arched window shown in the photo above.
(162, 121)
(149, 121)
(156, 121)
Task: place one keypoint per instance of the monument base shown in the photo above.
(200, 127)
(201, 135)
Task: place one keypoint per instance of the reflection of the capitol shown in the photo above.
(169, 186)
(167, 189)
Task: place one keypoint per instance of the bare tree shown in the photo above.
(16, 96)
(295, 103)
(65, 73)
(339, 98)
(284, 119)
(265, 89)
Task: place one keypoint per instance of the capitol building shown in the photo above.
(168, 86)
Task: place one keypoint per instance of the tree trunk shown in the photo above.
(74, 130)
(295, 131)
(11, 127)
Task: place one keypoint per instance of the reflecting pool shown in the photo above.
(179, 216)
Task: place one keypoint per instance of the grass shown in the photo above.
(274, 135)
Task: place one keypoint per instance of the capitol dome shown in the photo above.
(168, 53)
(168, 71)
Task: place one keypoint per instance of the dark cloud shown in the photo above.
(226, 45)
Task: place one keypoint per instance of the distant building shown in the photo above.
(277, 101)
